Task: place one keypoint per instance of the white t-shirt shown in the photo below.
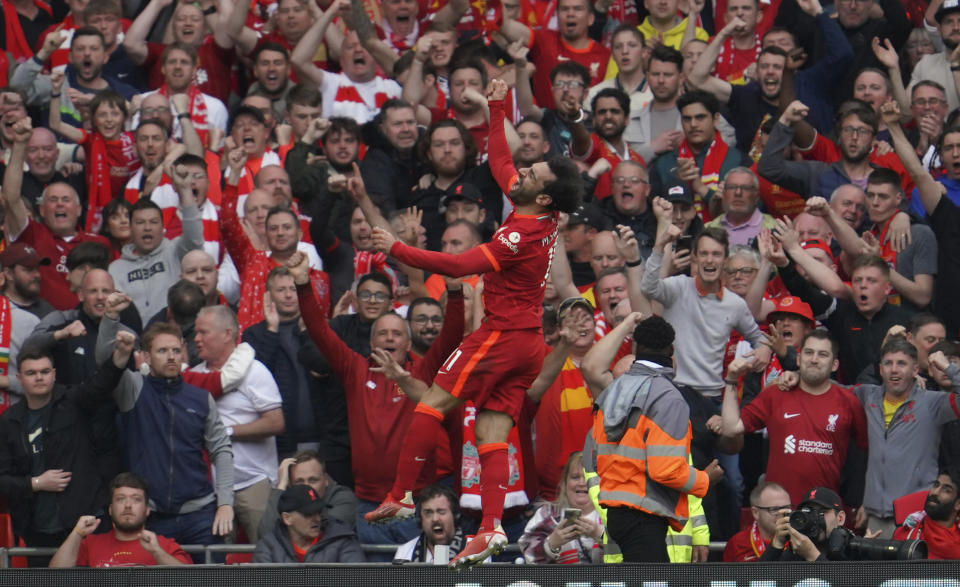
(361, 102)
(253, 460)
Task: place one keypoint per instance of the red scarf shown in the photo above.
(888, 254)
(198, 111)
(757, 543)
(470, 469)
(99, 192)
(369, 262)
(6, 326)
(710, 172)
(16, 41)
(886, 249)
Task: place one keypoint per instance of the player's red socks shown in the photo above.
(494, 476)
(419, 446)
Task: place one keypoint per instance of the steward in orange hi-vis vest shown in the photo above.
(642, 432)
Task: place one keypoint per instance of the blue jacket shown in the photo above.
(814, 84)
(806, 178)
(167, 425)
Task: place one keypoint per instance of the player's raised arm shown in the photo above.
(501, 159)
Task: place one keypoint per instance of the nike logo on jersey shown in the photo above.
(420, 459)
(787, 416)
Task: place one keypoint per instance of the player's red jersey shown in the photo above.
(515, 263)
(809, 435)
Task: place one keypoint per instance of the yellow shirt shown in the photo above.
(672, 38)
(889, 409)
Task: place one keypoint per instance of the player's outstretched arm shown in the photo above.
(476, 260)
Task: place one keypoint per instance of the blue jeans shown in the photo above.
(192, 528)
(392, 532)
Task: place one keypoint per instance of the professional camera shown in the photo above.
(809, 522)
(844, 545)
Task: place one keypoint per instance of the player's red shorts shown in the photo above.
(494, 368)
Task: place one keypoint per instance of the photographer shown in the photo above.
(823, 511)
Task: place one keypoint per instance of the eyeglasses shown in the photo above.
(633, 179)
(377, 296)
(148, 112)
(568, 85)
(739, 188)
(423, 319)
(923, 103)
(742, 271)
(856, 131)
(773, 509)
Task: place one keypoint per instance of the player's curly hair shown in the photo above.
(654, 335)
(567, 189)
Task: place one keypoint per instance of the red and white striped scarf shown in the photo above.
(198, 111)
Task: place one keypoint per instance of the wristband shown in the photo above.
(634, 263)
(55, 95)
(733, 383)
(210, 10)
(183, 115)
(580, 117)
(229, 431)
(36, 483)
(553, 551)
(955, 68)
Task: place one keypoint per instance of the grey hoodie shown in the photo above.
(146, 278)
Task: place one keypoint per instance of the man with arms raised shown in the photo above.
(515, 266)
(56, 234)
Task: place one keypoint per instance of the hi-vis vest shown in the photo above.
(647, 466)
(679, 544)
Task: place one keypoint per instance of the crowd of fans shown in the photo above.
(779, 180)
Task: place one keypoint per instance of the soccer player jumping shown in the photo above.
(495, 365)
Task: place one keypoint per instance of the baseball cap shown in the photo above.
(22, 254)
(816, 243)
(679, 192)
(585, 215)
(464, 191)
(244, 110)
(570, 303)
(823, 497)
(300, 498)
(946, 8)
(792, 305)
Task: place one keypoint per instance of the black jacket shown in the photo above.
(337, 545)
(278, 352)
(67, 444)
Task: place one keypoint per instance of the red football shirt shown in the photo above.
(515, 263)
(809, 435)
(104, 550)
(547, 48)
(53, 277)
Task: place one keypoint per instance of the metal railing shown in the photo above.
(210, 551)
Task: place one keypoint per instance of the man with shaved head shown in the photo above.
(72, 335)
(200, 268)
